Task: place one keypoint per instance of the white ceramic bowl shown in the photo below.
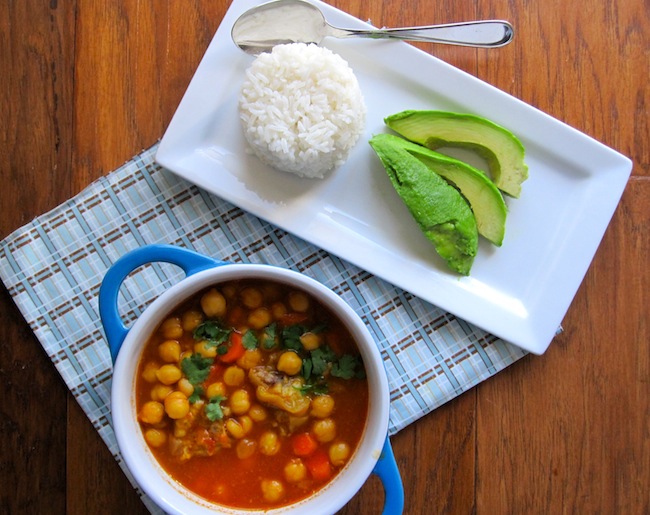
(126, 346)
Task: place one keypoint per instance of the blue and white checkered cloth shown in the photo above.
(53, 266)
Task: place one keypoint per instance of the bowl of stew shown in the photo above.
(246, 389)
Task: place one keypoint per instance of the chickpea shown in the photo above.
(257, 413)
(251, 297)
(272, 489)
(295, 471)
(250, 359)
(170, 351)
(235, 428)
(278, 309)
(191, 320)
(310, 341)
(245, 448)
(234, 376)
(171, 328)
(339, 453)
(152, 412)
(322, 406)
(246, 423)
(176, 405)
(324, 430)
(213, 303)
(229, 290)
(289, 363)
(149, 372)
(259, 318)
(177, 395)
(217, 389)
(298, 301)
(269, 443)
(240, 402)
(155, 437)
(185, 386)
(160, 391)
(169, 374)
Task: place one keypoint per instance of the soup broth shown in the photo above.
(252, 394)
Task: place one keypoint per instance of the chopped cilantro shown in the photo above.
(291, 337)
(249, 340)
(321, 358)
(346, 367)
(321, 328)
(270, 337)
(196, 368)
(322, 361)
(319, 388)
(212, 333)
(196, 394)
(213, 408)
(306, 369)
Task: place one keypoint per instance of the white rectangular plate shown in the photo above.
(519, 292)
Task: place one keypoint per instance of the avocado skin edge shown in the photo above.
(508, 172)
(441, 212)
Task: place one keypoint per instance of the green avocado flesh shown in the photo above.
(483, 196)
(501, 149)
(442, 213)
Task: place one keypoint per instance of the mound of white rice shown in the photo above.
(301, 109)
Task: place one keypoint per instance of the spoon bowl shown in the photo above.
(278, 22)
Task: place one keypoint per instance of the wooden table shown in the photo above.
(86, 84)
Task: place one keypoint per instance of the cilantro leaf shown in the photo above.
(270, 337)
(212, 333)
(291, 337)
(345, 367)
(196, 394)
(319, 388)
(213, 408)
(320, 328)
(249, 340)
(196, 368)
(321, 358)
(307, 368)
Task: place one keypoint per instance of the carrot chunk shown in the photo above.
(236, 349)
(319, 466)
(303, 444)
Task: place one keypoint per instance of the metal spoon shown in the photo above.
(277, 22)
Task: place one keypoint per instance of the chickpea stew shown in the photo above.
(252, 394)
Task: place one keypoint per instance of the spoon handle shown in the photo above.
(484, 33)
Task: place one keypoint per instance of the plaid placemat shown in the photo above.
(53, 267)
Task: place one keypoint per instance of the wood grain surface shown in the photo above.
(86, 84)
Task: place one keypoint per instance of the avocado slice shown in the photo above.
(483, 196)
(501, 149)
(442, 213)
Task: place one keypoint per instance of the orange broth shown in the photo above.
(259, 400)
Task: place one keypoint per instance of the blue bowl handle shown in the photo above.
(189, 261)
(386, 469)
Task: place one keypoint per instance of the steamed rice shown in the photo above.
(302, 109)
